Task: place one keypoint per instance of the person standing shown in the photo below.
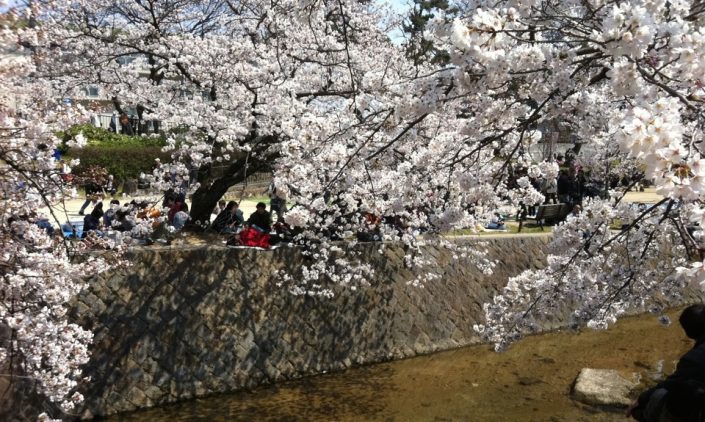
(277, 202)
(550, 189)
(92, 189)
(110, 185)
(95, 117)
(565, 187)
(126, 126)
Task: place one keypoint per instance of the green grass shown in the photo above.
(616, 224)
(512, 228)
(253, 199)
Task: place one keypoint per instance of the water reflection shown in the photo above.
(530, 382)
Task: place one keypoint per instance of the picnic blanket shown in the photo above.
(251, 237)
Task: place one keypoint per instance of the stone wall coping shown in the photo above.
(182, 247)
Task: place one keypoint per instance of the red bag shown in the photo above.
(252, 237)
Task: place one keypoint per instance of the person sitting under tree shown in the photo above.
(261, 219)
(91, 222)
(218, 208)
(229, 219)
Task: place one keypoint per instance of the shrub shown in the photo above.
(125, 157)
(99, 136)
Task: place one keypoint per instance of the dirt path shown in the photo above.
(649, 196)
(69, 209)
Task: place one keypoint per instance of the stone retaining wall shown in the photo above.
(187, 322)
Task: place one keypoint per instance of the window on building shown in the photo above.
(92, 91)
(125, 60)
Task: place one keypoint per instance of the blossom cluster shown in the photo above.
(365, 142)
(38, 273)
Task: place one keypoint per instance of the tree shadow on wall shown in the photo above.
(192, 322)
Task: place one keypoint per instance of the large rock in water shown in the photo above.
(604, 387)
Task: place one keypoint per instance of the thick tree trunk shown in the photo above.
(206, 197)
(213, 187)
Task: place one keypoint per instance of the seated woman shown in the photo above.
(496, 223)
(181, 217)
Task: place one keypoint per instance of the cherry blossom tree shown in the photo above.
(39, 347)
(419, 47)
(625, 75)
(360, 138)
(231, 80)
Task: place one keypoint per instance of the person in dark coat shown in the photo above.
(580, 182)
(124, 223)
(92, 189)
(681, 396)
(261, 219)
(228, 219)
(565, 187)
(92, 221)
(126, 126)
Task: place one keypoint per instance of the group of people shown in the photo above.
(567, 188)
(229, 218)
(124, 124)
(115, 218)
(125, 218)
(255, 231)
(96, 191)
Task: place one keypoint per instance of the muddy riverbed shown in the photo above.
(529, 382)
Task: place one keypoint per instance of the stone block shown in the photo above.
(137, 397)
(154, 393)
(604, 387)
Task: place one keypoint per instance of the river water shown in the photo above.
(529, 382)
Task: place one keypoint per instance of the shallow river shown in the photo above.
(529, 382)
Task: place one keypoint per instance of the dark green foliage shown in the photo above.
(418, 48)
(98, 136)
(125, 157)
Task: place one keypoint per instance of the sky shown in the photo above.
(400, 6)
